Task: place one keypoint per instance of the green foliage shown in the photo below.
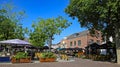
(6, 28)
(20, 55)
(45, 29)
(37, 39)
(100, 15)
(10, 26)
(47, 55)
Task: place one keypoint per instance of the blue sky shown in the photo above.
(47, 9)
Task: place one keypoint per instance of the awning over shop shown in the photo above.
(93, 46)
(79, 49)
(15, 41)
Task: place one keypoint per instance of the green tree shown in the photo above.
(10, 26)
(45, 30)
(6, 27)
(100, 15)
(37, 37)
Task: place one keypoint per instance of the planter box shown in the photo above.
(42, 59)
(47, 59)
(25, 60)
(22, 60)
(14, 60)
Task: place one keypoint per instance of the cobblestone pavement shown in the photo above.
(76, 63)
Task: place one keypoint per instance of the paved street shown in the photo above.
(76, 63)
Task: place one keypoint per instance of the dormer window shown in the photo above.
(76, 34)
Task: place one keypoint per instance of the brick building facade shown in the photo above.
(80, 40)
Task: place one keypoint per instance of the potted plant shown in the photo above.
(21, 57)
(47, 57)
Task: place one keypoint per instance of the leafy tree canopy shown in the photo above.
(101, 15)
(10, 26)
(45, 29)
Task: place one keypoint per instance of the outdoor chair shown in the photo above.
(64, 57)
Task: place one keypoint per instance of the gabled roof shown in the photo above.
(78, 34)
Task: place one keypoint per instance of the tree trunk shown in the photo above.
(50, 43)
(117, 41)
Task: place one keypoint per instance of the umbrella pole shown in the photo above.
(25, 49)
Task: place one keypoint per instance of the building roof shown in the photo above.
(78, 34)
